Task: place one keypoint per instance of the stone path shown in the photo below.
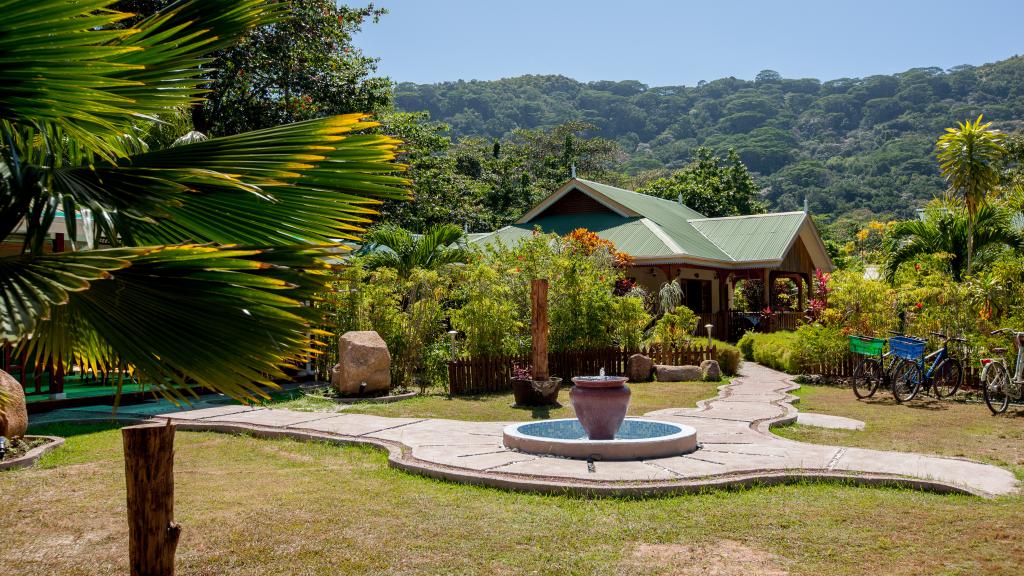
(736, 448)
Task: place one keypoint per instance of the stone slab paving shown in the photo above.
(733, 429)
(828, 421)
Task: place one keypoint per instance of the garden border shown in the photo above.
(32, 456)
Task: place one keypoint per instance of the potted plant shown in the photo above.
(530, 392)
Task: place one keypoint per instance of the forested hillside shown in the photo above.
(852, 145)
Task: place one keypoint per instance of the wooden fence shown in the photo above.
(494, 374)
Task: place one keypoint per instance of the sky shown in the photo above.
(663, 42)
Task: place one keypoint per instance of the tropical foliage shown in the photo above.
(947, 233)
(393, 247)
(201, 253)
(969, 157)
(856, 148)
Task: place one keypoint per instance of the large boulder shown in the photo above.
(712, 372)
(364, 364)
(639, 368)
(13, 412)
(688, 373)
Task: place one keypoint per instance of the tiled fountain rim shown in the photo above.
(401, 456)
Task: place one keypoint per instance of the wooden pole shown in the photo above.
(539, 327)
(149, 473)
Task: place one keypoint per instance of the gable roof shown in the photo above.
(655, 230)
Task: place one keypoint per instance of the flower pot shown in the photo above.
(600, 405)
(536, 392)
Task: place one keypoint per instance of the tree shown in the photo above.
(212, 242)
(943, 233)
(969, 157)
(392, 247)
(298, 68)
(710, 186)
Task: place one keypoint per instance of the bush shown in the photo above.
(796, 352)
(676, 327)
(728, 357)
(772, 350)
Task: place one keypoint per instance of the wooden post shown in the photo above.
(149, 473)
(539, 327)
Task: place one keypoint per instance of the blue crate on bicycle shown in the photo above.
(906, 347)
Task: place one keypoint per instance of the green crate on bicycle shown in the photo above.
(866, 345)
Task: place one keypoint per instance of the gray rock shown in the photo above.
(364, 364)
(688, 373)
(13, 411)
(639, 368)
(711, 371)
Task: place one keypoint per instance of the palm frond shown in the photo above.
(224, 318)
(66, 66)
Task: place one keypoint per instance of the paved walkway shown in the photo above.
(736, 448)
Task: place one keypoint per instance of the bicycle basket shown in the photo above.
(906, 347)
(866, 345)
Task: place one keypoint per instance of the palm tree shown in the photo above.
(391, 246)
(969, 156)
(203, 252)
(945, 231)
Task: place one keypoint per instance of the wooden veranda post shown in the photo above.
(149, 473)
(539, 328)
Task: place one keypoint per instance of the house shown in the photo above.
(670, 241)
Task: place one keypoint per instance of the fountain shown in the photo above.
(601, 430)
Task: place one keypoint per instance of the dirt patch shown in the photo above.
(722, 558)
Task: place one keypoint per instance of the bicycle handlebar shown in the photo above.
(944, 337)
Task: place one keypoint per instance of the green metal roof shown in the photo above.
(755, 237)
(666, 229)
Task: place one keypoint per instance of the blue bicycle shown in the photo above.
(937, 371)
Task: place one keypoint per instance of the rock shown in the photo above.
(363, 358)
(13, 412)
(639, 368)
(711, 371)
(688, 373)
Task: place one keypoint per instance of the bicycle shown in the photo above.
(943, 376)
(875, 369)
(999, 388)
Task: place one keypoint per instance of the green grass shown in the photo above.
(270, 507)
(948, 428)
(646, 397)
(266, 507)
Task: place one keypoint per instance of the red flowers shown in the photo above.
(919, 305)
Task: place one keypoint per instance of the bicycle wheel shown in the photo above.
(866, 377)
(995, 379)
(906, 381)
(947, 378)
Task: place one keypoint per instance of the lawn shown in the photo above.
(647, 396)
(283, 507)
(252, 506)
(963, 429)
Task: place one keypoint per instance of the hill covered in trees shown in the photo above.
(853, 146)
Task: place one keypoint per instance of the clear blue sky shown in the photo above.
(664, 42)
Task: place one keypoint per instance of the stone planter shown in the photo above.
(33, 455)
(600, 403)
(536, 392)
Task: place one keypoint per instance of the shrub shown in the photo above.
(629, 320)
(675, 328)
(746, 345)
(773, 350)
(728, 357)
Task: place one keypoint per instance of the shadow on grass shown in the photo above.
(72, 429)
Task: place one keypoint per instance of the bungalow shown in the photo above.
(670, 241)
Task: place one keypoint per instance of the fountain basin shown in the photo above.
(636, 439)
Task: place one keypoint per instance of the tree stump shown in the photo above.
(149, 474)
(539, 328)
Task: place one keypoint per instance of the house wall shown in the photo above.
(651, 278)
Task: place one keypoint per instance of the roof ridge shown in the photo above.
(747, 216)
